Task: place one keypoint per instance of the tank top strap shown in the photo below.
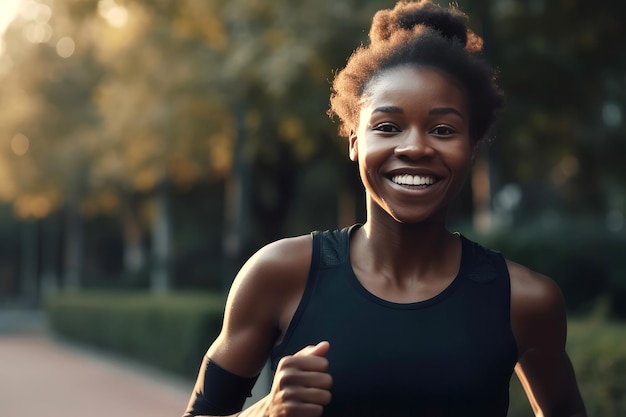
(481, 264)
(330, 247)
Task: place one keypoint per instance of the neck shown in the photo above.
(428, 236)
(402, 261)
(421, 241)
(407, 252)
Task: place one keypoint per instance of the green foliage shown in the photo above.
(596, 349)
(170, 332)
(566, 103)
(165, 91)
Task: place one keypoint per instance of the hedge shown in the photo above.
(596, 348)
(173, 332)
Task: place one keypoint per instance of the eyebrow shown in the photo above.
(446, 110)
(436, 110)
(387, 109)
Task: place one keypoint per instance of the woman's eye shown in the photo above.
(442, 130)
(386, 128)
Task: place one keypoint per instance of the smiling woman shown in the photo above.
(399, 315)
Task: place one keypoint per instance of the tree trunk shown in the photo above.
(73, 250)
(29, 261)
(134, 253)
(49, 255)
(161, 243)
(237, 209)
(481, 192)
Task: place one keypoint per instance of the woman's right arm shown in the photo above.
(268, 285)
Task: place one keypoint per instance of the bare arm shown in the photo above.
(539, 323)
(265, 291)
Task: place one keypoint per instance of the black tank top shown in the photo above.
(451, 355)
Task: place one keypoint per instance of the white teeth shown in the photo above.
(412, 180)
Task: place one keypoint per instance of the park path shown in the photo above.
(43, 376)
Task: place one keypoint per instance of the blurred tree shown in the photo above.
(136, 98)
(48, 119)
(112, 107)
(270, 66)
(564, 125)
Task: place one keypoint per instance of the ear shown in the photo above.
(353, 146)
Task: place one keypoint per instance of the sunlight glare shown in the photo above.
(43, 13)
(8, 11)
(29, 10)
(114, 14)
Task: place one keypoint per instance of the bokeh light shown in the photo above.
(20, 144)
(612, 114)
(65, 47)
(37, 32)
(113, 13)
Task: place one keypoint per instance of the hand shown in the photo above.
(301, 384)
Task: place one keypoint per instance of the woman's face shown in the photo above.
(412, 143)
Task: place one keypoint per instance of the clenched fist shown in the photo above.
(302, 384)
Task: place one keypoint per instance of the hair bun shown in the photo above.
(413, 16)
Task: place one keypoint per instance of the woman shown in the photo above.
(397, 316)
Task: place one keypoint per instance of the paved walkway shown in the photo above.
(42, 376)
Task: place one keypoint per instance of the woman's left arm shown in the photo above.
(539, 323)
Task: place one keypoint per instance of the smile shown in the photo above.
(413, 180)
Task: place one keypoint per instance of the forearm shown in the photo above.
(570, 408)
(258, 409)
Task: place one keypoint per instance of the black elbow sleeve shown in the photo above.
(218, 392)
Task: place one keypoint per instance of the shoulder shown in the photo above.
(261, 292)
(537, 309)
(275, 266)
(532, 291)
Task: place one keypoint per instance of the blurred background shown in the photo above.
(148, 148)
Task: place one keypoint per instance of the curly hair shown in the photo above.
(419, 34)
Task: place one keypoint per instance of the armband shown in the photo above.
(218, 392)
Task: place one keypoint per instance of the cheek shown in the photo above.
(460, 160)
(370, 157)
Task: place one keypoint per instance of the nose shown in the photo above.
(414, 145)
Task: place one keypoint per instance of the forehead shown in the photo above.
(423, 84)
